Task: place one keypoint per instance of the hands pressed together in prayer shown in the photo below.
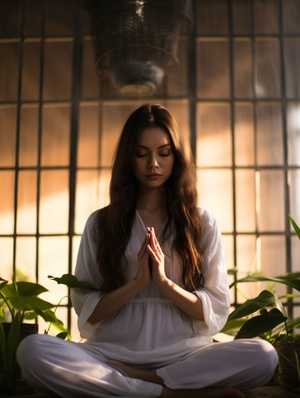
(151, 260)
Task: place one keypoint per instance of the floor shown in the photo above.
(261, 392)
(271, 392)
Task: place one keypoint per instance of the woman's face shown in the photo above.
(154, 158)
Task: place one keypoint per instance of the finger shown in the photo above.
(156, 255)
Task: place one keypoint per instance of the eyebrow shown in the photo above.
(160, 147)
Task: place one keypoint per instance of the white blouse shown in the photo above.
(150, 324)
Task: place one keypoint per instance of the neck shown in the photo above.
(153, 199)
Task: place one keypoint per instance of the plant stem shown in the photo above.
(8, 306)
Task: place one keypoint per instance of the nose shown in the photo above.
(153, 163)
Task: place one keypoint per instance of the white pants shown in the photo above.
(70, 369)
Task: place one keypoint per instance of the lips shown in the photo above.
(153, 176)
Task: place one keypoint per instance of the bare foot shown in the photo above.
(151, 376)
(135, 373)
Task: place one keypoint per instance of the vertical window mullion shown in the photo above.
(285, 156)
(76, 70)
(192, 81)
(233, 166)
(17, 149)
(40, 132)
(254, 79)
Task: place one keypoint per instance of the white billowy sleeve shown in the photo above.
(215, 293)
(85, 301)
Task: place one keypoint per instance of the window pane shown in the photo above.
(215, 194)
(213, 80)
(58, 70)
(54, 201)
(113, 119)
(271, 215)
(266, 16)
(7, 189)
(9, 71)
(10, 18)
(268, 83)
(90, 81)
(213, 135)
(241, 10)
(26, 258)
(28, 150)
(177, 79)
(60, 17)
(180, 110)
(294, 182)
(92, 193)
(246, 262)
(53, 260)
(6, 258)
(245, 200)
(76, 243)
(33, 18)
(27, 192)
(88, 135)
(293, 129)
(269, 134)
(228, 250)
(292, 67)
(246, 254)
(31, 70)
(273, 256)
(8, 117)
(295, 253)
(244, 135)
(291, 12)
(210, 17)
(271, 259)
(243, 82)
(56, 135)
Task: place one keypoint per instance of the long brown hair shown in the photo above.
(114, 222)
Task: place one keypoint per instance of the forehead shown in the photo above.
(153, 136)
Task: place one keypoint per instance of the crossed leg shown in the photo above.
(153, 377)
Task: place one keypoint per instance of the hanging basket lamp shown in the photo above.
(135, 41)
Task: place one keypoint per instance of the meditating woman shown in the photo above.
(157, 265)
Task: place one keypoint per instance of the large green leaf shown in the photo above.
(23, 289)
(291, 279)
(233, 325)
(30, 303)
(295, 226)
(72, 282)
(260, 324)
(1, 315)
(264, 299)
(3, 283)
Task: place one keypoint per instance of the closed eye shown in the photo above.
(140, 155)
(165, 154)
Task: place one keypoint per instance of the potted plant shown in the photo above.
(19, 303)
(264, 317)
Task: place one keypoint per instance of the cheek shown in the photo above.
(137, 166)
(170, 164)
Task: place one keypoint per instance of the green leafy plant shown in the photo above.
(264, 316)
(71, 281)
(243, 323)
(19, 303)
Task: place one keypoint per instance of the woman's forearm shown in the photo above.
(112, 301)
(188, 302)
